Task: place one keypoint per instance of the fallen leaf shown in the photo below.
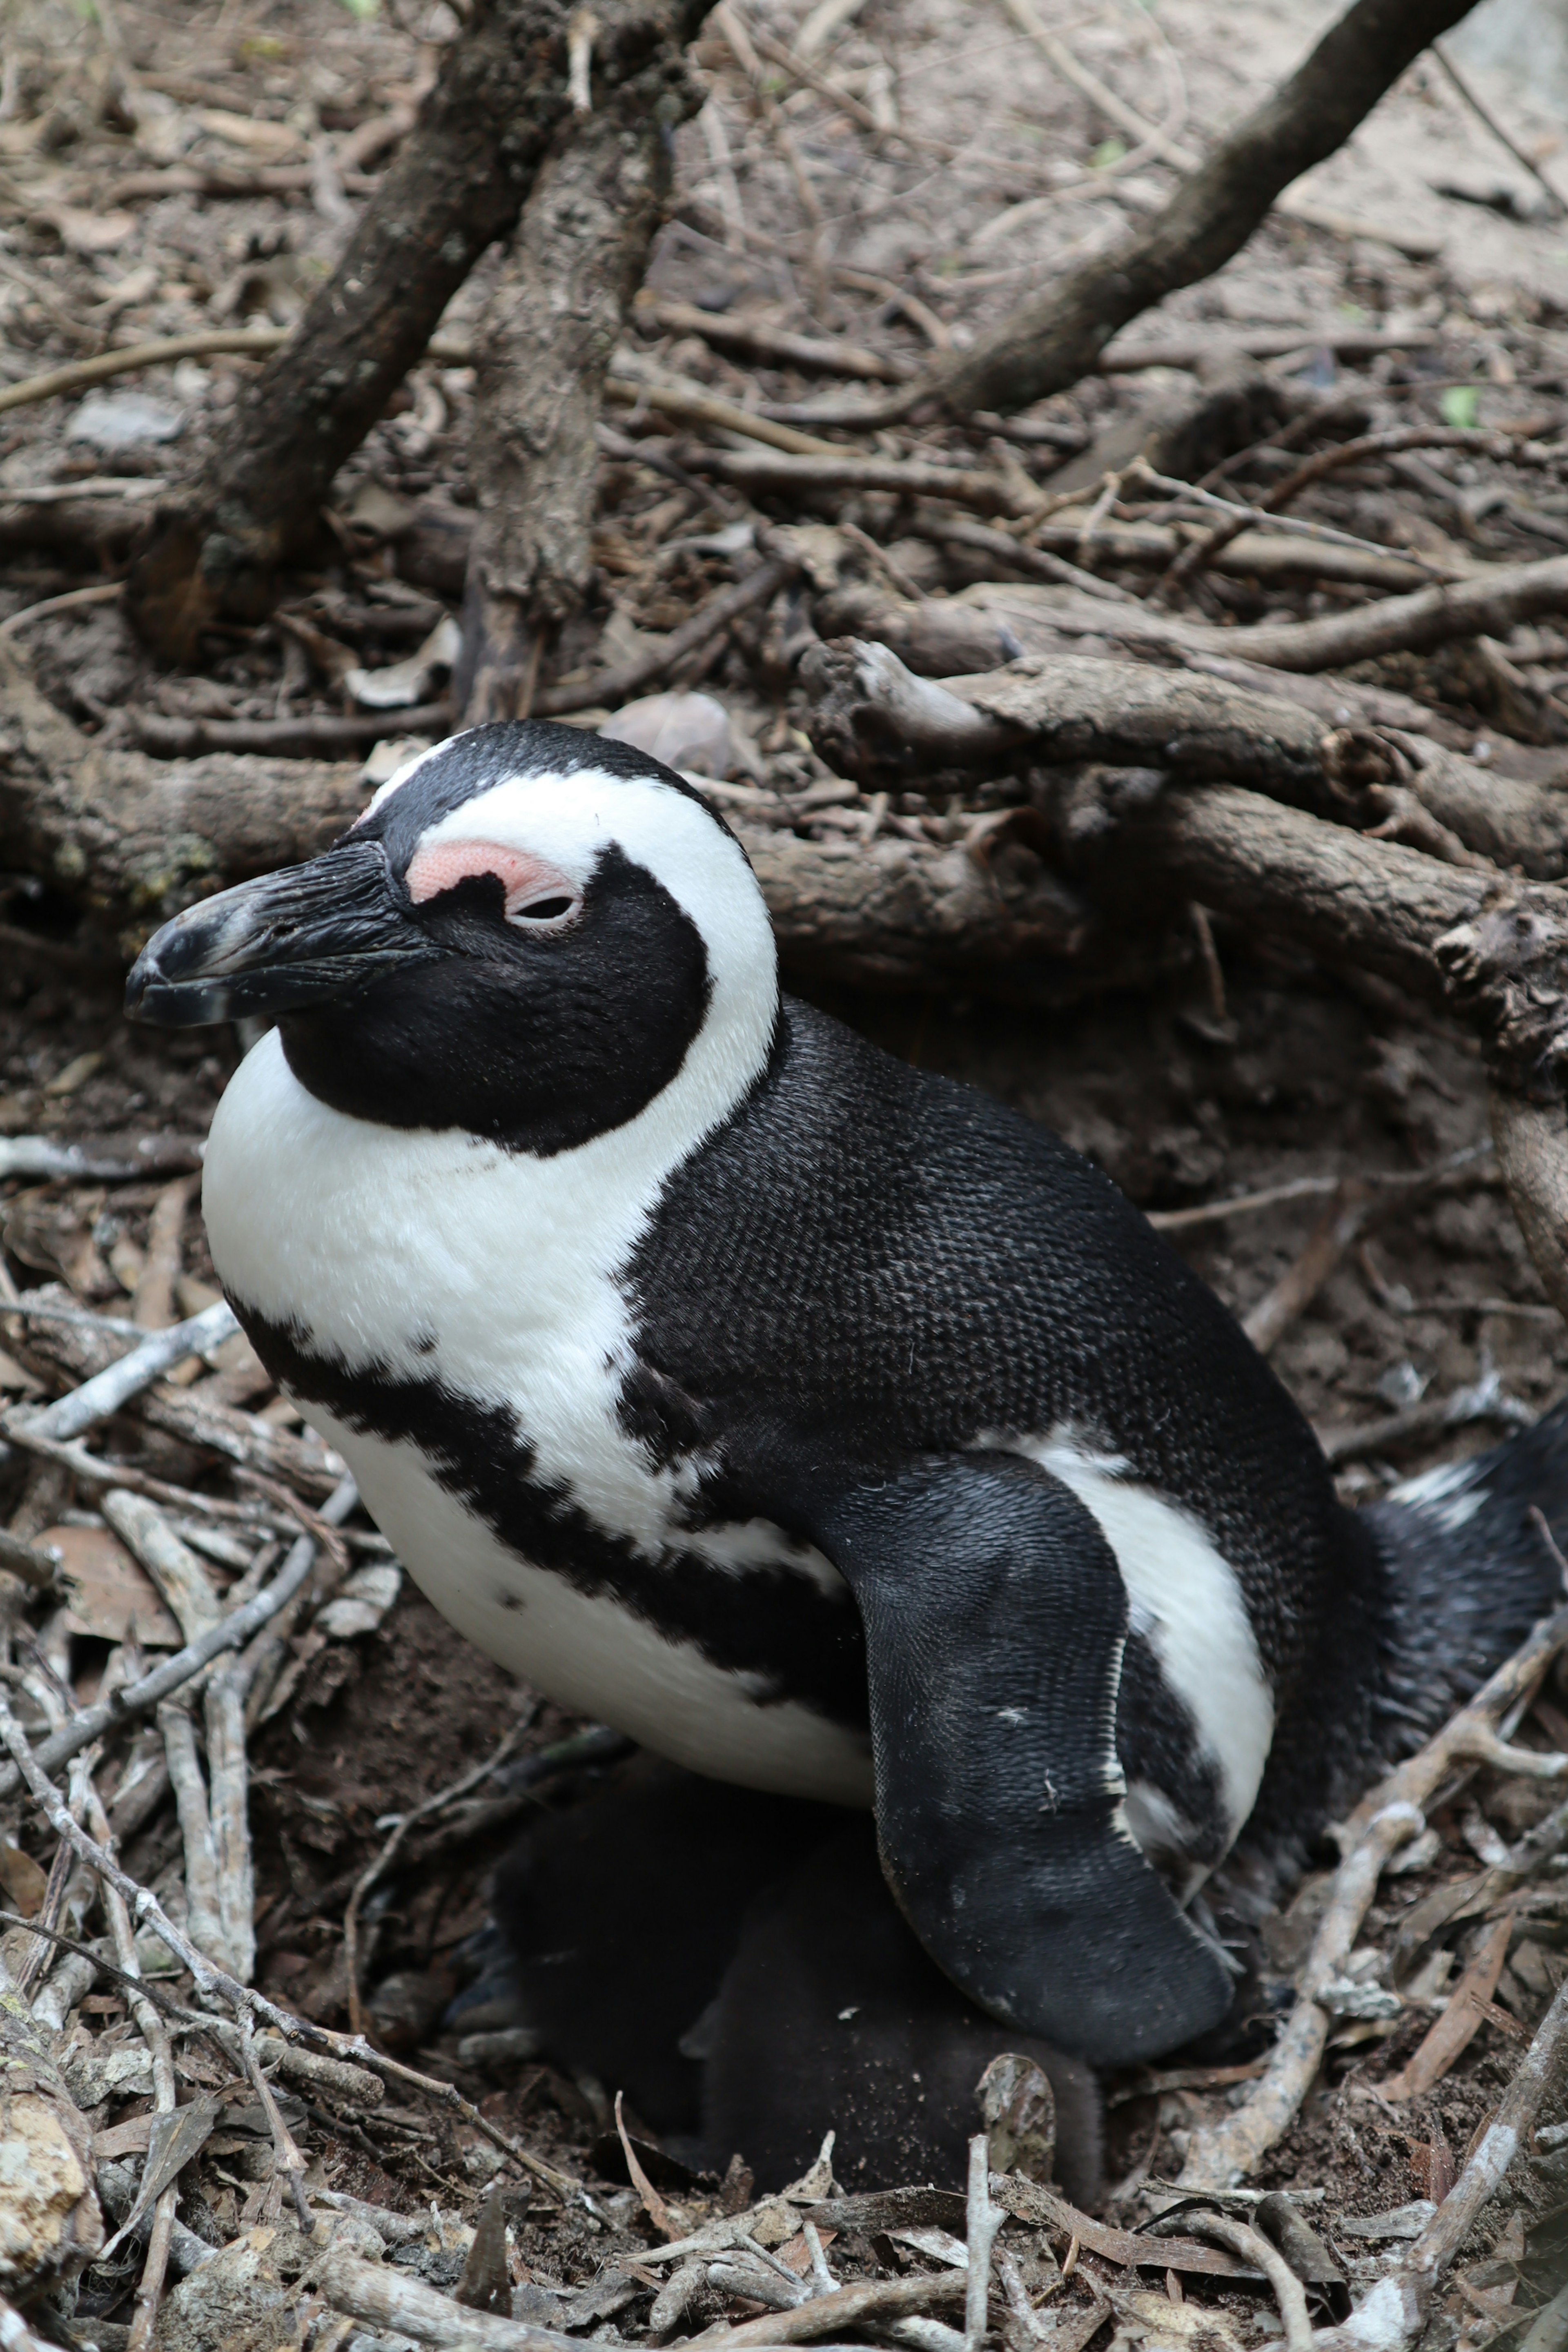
(109, 1588)
(22, 1879)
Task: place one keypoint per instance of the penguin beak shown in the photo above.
(278, 945)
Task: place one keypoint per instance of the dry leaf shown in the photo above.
(22, 1879)
(109, 1587)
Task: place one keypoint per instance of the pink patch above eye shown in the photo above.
(524, 878)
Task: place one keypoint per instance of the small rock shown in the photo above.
(365, 1598)
(124, 420)
(684, 731)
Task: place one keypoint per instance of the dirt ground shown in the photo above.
(1299, 1072)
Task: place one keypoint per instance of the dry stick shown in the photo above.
(155, 2034)
(180, 1576)
(205, 1916)
(1327, 461)
(704, 408)
(1483, 1399)
(211, 1979)
(388, 1854)
(1455, 2027)
(228, 1796)
(1415, 623)
(89, 1723)
(1255, 2248)
(613, 686)
(984, 2220)
(847, 470)
(108, 1390)
(1267, 1323)
(652, 2204)
(186, 739)
(1525, 161)
(105, 592)
(1221, 2154)
(1392, 2315)
(774, 346)
(161, 352)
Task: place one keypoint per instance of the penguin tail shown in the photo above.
(1471, 1570)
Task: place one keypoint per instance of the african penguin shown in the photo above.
(818, 1421)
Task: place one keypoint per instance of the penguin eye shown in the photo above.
(542, 914)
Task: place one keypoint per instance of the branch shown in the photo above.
(458, 181)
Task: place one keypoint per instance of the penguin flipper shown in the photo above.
(995, 1618)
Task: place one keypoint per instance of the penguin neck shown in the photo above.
(332, 1223)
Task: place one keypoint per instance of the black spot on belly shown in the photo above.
(777, 1626)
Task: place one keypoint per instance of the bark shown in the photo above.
(553, 321)
(458, 181)
(873, 720)
(1051, 340)
(1488, 604)
(134, 839)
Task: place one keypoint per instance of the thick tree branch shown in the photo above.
(459, 182)
(553, 321)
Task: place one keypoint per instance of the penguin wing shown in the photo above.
(995, 1618)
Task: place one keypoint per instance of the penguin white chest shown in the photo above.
(463, 1300)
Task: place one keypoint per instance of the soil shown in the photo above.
(1298, 1072)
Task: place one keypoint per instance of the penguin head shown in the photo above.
(530, 934)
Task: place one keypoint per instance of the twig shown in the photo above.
(1255, 2248)
(385, 1859)
(105, 592)
(227, 1778)
(1219, 2155)
(983, 2221)
(705, 408)
(1483, 113)
(1452, 2031)
(186, 739)
(195, 1830)
(181, 1578)
(160, 353)
(1267, 1323)
(847, 470)
(1483, 1399)
(1327, 461)
(108, 1390)
(89, 1723)
(287, 2156)
(580, 37)
(613, 686)
(774, 346)
(154, 2032)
